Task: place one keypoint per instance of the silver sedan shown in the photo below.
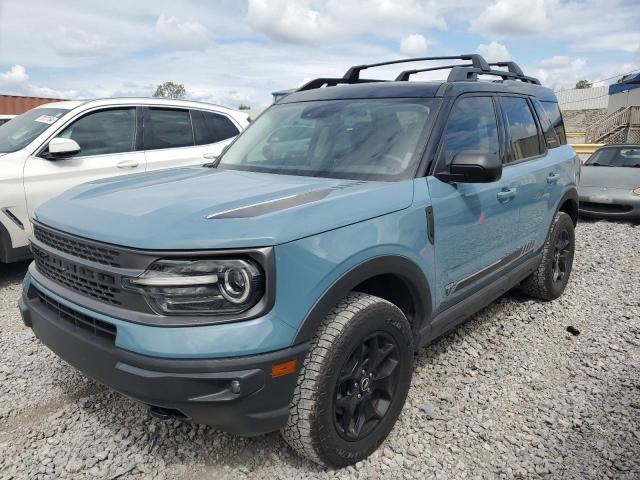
(610, 183)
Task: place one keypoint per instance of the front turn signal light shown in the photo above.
(636, 191)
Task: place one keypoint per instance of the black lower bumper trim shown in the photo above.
(199, 389)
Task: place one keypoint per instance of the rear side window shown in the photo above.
(104, 132)
(209, 127)
(523, 131)
(167, 128)
(549, 132)
(471, 127)
(553, 112)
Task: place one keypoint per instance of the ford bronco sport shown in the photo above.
(288, 284)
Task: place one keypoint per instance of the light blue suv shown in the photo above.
(289, 284)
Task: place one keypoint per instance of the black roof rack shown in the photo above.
(459, 72)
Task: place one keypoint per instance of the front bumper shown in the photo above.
(196, 389)
(608, 203)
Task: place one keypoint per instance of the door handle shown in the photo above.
(210, 156)
(506, 195)
(553, 178)
(127, 164)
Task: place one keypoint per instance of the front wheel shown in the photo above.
(353, 383)
(550, 279)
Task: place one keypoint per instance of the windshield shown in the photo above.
(615, 157)
(22, 130)
(373, 139)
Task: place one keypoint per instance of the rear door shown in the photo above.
(107, 139)
(475, 224)
(532, 168)
(176, 137)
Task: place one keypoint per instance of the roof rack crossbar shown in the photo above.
(404, 76)
(353, 74)
(461, 74)
(511, 66)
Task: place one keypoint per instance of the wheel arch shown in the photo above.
(392, 277)
(569, 204)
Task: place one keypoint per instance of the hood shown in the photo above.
(204, 208)
(625, 178)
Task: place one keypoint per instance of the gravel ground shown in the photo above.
(510, 394)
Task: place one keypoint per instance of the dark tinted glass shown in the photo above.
(210, 127)
(104, 132)
(471, 127)
(522, 129)
(167, 128)
(549, 132)
(553, 112)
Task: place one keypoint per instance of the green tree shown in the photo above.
(170, 90)
(583, 84)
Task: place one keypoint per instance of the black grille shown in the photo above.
(78, 278)
(91, 325)
(77, 247)
(606, 207)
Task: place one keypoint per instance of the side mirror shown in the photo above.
(473, 167)
(62, 147)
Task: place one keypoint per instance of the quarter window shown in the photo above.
(471, 127)
(523, 131)
(209, 127)
(167, 128)
(104, 132)
(549, 132)
(555, 117)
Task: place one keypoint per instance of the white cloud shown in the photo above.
(413, 45)
(494, 52)
(181, 34)
(15, 81)
(328, 21)
(78, 42)
(513, 17)
(561, 71)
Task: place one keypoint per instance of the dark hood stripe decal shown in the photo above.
(271, 206)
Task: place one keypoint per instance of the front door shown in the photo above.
(107, 140)
(475, 224)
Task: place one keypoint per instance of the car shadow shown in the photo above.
(13, 272)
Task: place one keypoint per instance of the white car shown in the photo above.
(59, 145)
(5, 118)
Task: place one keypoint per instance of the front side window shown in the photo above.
(471, 127)
(375, 139)
(167, 128)
(522, 127)
(209, 127)
(25, 128)
(104, 132)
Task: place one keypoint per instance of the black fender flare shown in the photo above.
(570, 194)
(402, 267)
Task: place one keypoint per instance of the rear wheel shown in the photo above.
(550, 279)
(353, 383)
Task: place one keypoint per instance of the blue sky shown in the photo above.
(234, 52)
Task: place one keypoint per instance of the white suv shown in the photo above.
(58, 145)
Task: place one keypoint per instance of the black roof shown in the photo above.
(463, 77)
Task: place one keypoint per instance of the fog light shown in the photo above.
(235, 386)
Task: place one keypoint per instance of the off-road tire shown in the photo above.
(312, 429)
(541, 284)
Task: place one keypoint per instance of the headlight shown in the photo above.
(200, 287)
(636, 191)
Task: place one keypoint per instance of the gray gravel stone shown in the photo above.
(510, 394)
